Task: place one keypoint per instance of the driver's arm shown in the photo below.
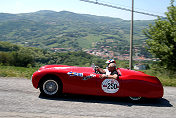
(101, 70)
(115, 76)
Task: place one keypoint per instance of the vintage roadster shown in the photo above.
(53, 80)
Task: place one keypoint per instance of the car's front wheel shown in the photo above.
(51, 87)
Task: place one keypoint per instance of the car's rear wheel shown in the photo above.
(135, 98)
(50, 87)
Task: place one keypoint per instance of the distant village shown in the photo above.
(105, 53)
(110, 54)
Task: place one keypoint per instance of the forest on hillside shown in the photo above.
(14, 55)
(50, 29)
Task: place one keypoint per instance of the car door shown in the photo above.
(82, 82)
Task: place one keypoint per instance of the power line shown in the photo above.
(138, 9)
(125, 9)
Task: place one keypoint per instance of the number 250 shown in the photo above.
(112, 86)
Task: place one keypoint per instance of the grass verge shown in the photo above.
(11, 71)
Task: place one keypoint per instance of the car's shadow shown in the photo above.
(111, 100)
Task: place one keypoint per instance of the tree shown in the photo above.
(23, 57)
(162, 38)
(5, 58)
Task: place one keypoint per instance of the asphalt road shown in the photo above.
(18, 98)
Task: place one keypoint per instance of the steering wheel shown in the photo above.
(96, 71)
(95, 68)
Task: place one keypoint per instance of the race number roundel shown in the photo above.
(110, 86)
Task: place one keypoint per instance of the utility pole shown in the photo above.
(131, 38)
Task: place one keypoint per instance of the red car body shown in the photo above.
(84, 80)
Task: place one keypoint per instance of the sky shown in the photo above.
(157, 7)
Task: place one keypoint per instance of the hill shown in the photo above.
(50, 29)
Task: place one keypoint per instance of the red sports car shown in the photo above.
(56, 79)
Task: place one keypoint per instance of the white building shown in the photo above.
(140, 67)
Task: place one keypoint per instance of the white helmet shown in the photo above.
(110, 61)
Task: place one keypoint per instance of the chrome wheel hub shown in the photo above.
(50, 87)
(135, 98)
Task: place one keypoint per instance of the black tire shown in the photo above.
(51, 87)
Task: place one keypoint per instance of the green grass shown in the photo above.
(11, 71)
(86, 42)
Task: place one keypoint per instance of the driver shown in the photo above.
(111, 72)
(105, 71)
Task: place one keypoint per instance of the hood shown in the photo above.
(53, 66)
(68, 68)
